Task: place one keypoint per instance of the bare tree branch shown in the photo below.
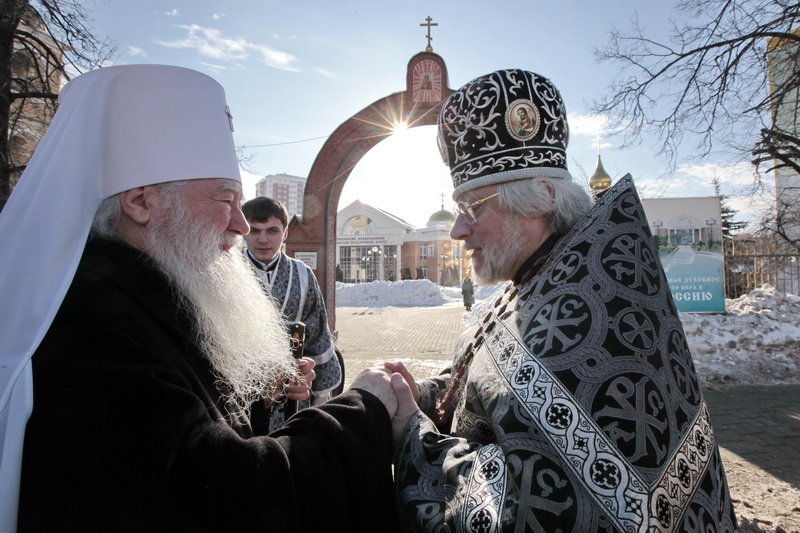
(713, 81)
(39, 39)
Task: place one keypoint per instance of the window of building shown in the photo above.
(425, 251)
(390, 263)
(361, 264)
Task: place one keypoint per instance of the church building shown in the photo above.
(372, 244)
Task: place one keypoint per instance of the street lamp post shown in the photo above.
(710, 222)
(390, 267)
(657, 224)
(365, 267)
(443, 257)
(374, 256)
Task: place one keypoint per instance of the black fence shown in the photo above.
(753, 262)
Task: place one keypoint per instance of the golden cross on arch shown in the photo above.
(429, 22)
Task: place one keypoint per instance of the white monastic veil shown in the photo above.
(117, 128)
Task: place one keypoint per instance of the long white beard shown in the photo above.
(499, 257)
(239, 328)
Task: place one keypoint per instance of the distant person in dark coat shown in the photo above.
(468, 292)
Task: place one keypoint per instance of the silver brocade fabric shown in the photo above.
(318, 341)
(581, 410)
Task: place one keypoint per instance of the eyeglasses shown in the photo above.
(468, 210)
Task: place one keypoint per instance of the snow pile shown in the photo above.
(756, 342)
(406, 293)
(417, 293)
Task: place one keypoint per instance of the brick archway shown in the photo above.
(418, 105)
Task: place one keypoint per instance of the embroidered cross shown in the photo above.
(230, 117)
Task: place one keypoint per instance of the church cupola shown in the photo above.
(600, 180)
(442, 216)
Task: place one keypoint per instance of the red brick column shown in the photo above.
(340, 154)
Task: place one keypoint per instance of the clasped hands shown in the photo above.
(395, 387)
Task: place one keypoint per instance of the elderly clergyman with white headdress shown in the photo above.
(132, 334)
(574, 404)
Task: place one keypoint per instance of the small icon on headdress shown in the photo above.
(522, 119)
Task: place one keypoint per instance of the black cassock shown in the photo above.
(129, 433)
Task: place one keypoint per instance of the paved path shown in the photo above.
(422, 337)
(757, 427)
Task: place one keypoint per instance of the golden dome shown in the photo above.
(600, 180)
(442, 216)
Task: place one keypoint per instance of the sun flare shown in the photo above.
(400, 127)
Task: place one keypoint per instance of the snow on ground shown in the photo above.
(406, 293)
(756, 342)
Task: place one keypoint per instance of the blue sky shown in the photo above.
(296, 70)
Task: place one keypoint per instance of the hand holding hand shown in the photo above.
(406, 404)
(376, 381)
(401, 369)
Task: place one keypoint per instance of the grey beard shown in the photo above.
(498, 265)
(239, 329)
